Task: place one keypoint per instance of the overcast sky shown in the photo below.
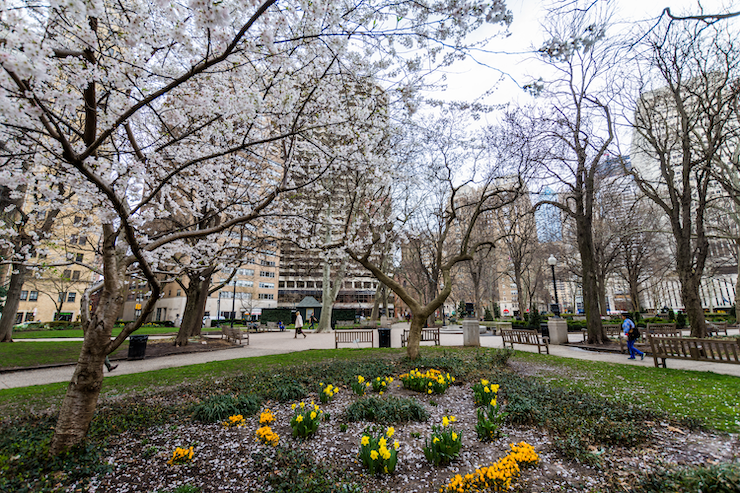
(468, 80)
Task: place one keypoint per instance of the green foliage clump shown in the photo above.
(220, 407)
(488, 316)
(284, 390)
(27, 467)
(183, 488)
(720, 478)
(681, 320)
(496, 310)
(285, 470)
(578, 420)
(390, 410)
(534, 318)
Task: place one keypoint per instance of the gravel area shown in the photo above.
(223, 457)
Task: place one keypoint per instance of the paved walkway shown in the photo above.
(266, 343)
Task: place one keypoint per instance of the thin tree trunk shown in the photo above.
(376, 305)
(329, 294)
(12, 300)
(737, 282)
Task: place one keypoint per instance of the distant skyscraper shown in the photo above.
(549, 224)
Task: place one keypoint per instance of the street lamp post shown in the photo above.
(553, 262)
(233, 305)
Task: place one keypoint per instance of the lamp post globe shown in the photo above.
(552, 261)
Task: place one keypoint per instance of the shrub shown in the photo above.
(499, 475)
(375, 454)
(265, 435)
(681, 320)
(489, 422)
(220, 407)
(360, 385)
(236, 421)
(720, 478)
(487, 316)
(284, 390)
(484, 393)
(305, 420)
(25, 463)
(444, 443)
(327, 392)
(432, 381)
(381, 384)
(390, 410)
(181, 456)
(285, 470)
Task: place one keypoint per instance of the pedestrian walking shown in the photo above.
(312, 320)
(109, 365)
(298, 325)
(632, 334)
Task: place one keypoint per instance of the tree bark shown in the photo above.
(596, 333)
(329, 292)
(196, 294)
(12, 300)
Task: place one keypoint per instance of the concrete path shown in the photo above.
(266, 343)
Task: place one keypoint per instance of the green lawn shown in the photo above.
(710, 397)
(25, 354)
(58, 334)
(714, 399)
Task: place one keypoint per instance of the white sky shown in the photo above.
(468, 80)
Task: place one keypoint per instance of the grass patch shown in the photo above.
(387, 411)
(56, 334)
(709, 398)
(28, 354)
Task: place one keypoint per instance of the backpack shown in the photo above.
(634, 333)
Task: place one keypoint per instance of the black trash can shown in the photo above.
(137, 347)
(544, 329)
(384, 337)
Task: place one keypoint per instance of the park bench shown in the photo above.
(613, 331)
(525, 336)
(711, 350)
(653, 327)
(714, 328)
(427, 335)
(354, 337)
(234, 334)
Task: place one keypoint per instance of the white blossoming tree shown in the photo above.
(148, 108)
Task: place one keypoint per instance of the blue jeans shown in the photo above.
(632, 349)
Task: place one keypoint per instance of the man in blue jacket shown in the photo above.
(628, 326)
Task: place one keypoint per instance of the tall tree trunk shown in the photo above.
(596, 333)
(737, 282)
(329, 292)
(602, 296)
(196, 294)
(376, 304)
(12, 300)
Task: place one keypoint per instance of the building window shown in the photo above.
(76, 275)
(29, 317)
(267, 285)
(267, 263)
(71, 296)
(79, 257)
(299, 284)
(290, 284)
(24, 295)
(78, 219)
(61, 297)
(73, 240)
(83, 240)
(267, 296)
(281, 284)
(33, 295)
(19, 317)
(67, 274)
(245, 272)
(179, 292)
(264, 273)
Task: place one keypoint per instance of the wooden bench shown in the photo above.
(652, 326)
(613, 331)
(711, 350)
(427, 335)
(525, 336)
(353, 337)
(714, 328)
(234, 334)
